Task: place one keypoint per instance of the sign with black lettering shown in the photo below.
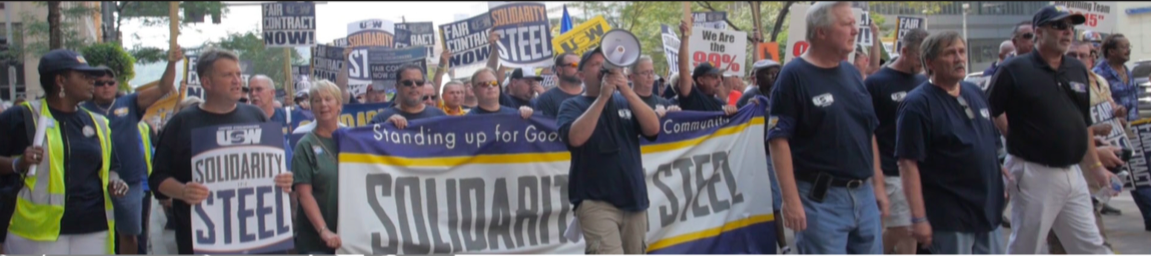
(525, 38)
(1141, 155)
(499, 184)
(670, 48)
(1100, 16)
(194, 87)
(244, 211)
(905, 24)
(327, 61)
(582, 38)
(301, 77)
(865, 36)
(710, 20)
(361, 36)
(384, 62)
(417, 34)
(289, 24)
(468, 41)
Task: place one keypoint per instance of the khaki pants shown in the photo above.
(608, 230)
(1045, 200)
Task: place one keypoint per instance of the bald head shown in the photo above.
(1005, 48)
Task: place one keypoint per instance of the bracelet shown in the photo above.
(917, 220)
(1096, 165)
(15, 163)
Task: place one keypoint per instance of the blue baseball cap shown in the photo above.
(1056, 12)
(61, 59)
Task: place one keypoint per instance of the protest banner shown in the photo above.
(724, 49)
(353, 115)
(769, 50)
(1101, 16)
(417, 34)
(709, 20)
(159, 113)
(361, 36)
(193, 79)
(246, 71)
(1140, 164)
(289, 24)
(797, 43)
(468, 42)
(244, 211)
(905, 24)
(865, 36)
(384, 62)
(1105, 113)
(301, 77)
(582, 38)
(525, 41)
(327, 61)
(498, 184)
(340, 42)
(670, 48)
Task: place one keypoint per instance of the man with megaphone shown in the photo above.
(606, 181)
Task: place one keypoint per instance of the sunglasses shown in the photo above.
(1027, 36)
(573, 64)
(487, 84)
(963, 103)
(243, 100)
(105, 83)
(1060, 25)
(411, 83)
(429, 97)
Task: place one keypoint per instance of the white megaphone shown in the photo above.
(620, 49)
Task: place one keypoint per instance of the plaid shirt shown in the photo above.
(1125, 94)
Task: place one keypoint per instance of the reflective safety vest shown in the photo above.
(146, 144)
(40, 204)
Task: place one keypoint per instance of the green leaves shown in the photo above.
(115, 57)
(268, 61)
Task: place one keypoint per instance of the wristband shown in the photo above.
(1096, 165)
(15, 164)
(917, 220)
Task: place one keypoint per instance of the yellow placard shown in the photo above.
(159, 113)
(581, 38)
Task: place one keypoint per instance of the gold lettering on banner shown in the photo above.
(518, 15)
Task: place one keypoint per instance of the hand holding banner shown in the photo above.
(722, 48)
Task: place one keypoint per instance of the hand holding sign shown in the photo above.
(194, 193)
(284, 181)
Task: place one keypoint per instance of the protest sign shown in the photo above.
(159, 113)
(724, 49)
(710, 20)
(670, 48)
(905, 24)
(417, 34)
(865, 36)
(1105, 113)
(340, 42)
(327, 61)
(246, 71)
(797, 43)
(194, 88)
(1140, 157)
(289, 24)
(525, 41)
(361, 36)
(582, 38)
(384, 62)
(244, 211)
(468, 42)
(301, 76)
(1101, 16)
(769, 50)
(498, 184)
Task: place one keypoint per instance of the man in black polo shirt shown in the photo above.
(606, 182)
(820, 134)
(888, 87)
(946, 149)
(699, 92)
(1045, 97)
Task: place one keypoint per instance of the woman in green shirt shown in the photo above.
(314, 166)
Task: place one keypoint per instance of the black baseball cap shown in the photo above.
(587, 56)
(61, 59)
(1056, 12)
(705, 69)
(519, 74)
(107, 70)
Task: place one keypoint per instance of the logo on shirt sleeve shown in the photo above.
(986, 114)
(897, 97)
(121, 112)
(1078, 87)
(823, 100)
(771, 122)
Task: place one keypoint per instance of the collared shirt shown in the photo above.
(1125, 94)
(457, 111)
(1047, 108)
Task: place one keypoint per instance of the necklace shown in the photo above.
(103, 109)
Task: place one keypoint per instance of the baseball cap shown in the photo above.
(762, 64)
(302, 94)
(705, 69)
(1056, 12)
(519, 74)
(61, 59)
(587, 55)
(107, 70)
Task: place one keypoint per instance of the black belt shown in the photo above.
(810, 177)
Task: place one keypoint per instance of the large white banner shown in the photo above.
(498, 184)
(797, 43)
(724, 49)
(1101, 16)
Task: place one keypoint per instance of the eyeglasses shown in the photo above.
(103, 83)
(429, 97)
(1027, 36)
(963, 103)
(1079, 55)
(487, 84)
(410, 83)
(1060, 25)
(573, 64)
(646, 73)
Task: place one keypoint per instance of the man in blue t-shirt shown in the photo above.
(409, 104)
(699, 91)
(822, 145)
(888, 87)
(263, 96)
(124, 114)
(565, 68)
(606, 181)
(946, 146)
(487, 91)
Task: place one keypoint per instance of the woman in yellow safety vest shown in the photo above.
(64, 202)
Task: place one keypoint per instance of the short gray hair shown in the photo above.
(820, 15)
(642, 58)
(271, 84)
(209, 58)
(325, 86)
(933, 46)
(913, 39)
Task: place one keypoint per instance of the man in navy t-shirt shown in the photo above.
(124, 114)
(699, 92)
(606, 182)
(946, 146)
(548, 103)
(263, 96)
(822, 145)
(409, 103)
(888, 87)
(487, 91)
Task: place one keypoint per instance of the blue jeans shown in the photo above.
(846, 222)
(968, 243)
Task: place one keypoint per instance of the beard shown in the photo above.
(570, 79)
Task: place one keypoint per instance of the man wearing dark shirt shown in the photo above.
(519, 91)
(1045, 97)
(570, 85)
(410, 105)
(606, 180)
(946, 149)
(763, 74)
(487, 91)
(822, 145)
(888, 87)
(699, 91)
(263, 96)
(172, 172)
(643, 80)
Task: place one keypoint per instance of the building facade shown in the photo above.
(1135, 24)
(27, 78)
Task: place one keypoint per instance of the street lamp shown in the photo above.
(966, 42)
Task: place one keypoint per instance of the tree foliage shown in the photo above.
(115, 57)
(35, 32)
(250, 47)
